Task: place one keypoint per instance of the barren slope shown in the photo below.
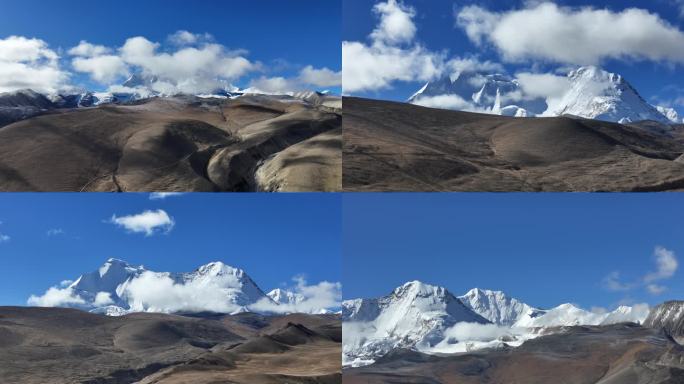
(60, 346)
(401, 147)
(163, 144)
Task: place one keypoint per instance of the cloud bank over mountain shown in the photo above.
(185, 63)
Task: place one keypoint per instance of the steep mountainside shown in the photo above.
(413, 315)
(668, 316)
(592, 93)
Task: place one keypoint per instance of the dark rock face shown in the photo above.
(669, 317)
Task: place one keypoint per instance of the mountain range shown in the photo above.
(428, 318)
(118, 288)
(591, 93)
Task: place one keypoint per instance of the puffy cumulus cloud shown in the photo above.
(543, 84)
(454, 102)
(85, 49)
(189, 69)
(375, 67)
(392, 54)
(309, 77)
(464, 331)
(102, 299)
(396, 22)
(56, 297)
(157, 292)
(148, 222)
(581, 36)
(313, 298)
(29, 63)
(323, 77)
(103, 69)
(196, 65)
(666, 265)
(549, 86)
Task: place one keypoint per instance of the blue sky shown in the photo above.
(285, 36)
(659, 82)
(543, 248)
(272, 237)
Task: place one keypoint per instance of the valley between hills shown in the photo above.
(172, 143)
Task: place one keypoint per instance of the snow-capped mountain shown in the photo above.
(117, 288)
(592, 93)
(493, 93)
(670, 113)
(414, 315)
(282, 296)
(601, 95)
(430, 319)
(495, 306)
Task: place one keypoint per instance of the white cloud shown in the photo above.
(543, 84)
(103, 69)
(612, 282)
(322, 77)
(157, 292)
(375, 67)
(315, 297)
(4, 238)
(55, 231)
(189, 69)
(196, 65)
(29, 63)
(183, 37)
(666, 265)
(655, 289)
(148, 222)
(396, 23)
(85, 49)
(65, 283)
(164, 195)
(308, 78)
(473, 64)
(56, 297)
(580, 36)
(102, 299)
(447, 102)
(392, 54)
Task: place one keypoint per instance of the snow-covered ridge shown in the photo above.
(118, 288)
(591, 93)
(430, 319)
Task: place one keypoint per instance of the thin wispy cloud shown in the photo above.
(666, 265)
(164, 195)
(148, 222)
(55, 232)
